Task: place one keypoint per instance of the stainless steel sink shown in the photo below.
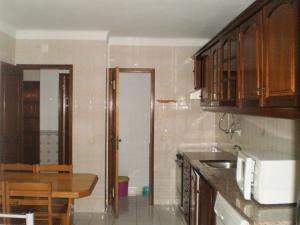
(220, 164)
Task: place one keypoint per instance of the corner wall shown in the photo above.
(7, 48)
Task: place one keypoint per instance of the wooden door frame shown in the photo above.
(151, 72)
(58, 67)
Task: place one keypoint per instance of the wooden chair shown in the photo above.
(17, 167)
(54, 168)
(2, 201)
(35, 197)
(58, 168)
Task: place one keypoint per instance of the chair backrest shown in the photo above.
(54, 168)
(17, 167)
(29, 194)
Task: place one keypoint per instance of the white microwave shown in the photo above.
(270, 177)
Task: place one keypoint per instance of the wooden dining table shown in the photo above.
(64, 185)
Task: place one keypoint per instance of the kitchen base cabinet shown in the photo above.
(206, 203)
(202, 199)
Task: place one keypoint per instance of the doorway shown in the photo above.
(130, 131)
(45, 97)
(20, 114)
(47, 114)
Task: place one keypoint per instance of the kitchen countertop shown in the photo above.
(223, 180)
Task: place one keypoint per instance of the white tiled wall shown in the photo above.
(48, 147)
(262, 133)
(175, 123)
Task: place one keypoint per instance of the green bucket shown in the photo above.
(146, 191)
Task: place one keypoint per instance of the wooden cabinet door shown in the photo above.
(11, 111)
(250, 61)
(206, 203)
(31, 122)
(197, 73)
(280, 41)
(205, 91)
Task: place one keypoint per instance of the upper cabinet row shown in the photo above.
(253, 63)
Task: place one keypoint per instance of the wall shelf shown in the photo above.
(166, 101)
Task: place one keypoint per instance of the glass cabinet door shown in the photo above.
(215, 80)
(225, 74)
(233, 69)
(229, 70)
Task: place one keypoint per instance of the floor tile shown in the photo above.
(134, 211)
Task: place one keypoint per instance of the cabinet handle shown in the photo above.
(258, 91)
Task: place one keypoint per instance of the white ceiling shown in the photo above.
(127, 18)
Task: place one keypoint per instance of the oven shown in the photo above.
(194, 200)
(179, 179)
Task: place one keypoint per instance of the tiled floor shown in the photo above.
(134, 211)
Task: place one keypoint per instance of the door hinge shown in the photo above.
(113, 192)
(113, 84)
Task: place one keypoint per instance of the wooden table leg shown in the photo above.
(70, 212)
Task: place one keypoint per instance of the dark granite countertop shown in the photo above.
(223, 180)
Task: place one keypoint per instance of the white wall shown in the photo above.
(135, 128)
(49, 99)
(262, 133)
(31, 75)
(7, 48)
(49, 118)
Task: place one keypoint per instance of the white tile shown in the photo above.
(134, 211)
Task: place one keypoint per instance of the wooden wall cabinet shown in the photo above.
(250, 61)
(280, 25)
(198, 73)
(257, 62)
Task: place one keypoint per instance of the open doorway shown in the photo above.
(20, 113)
(47, 114)
(130, 130)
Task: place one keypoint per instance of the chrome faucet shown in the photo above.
(237, 147)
